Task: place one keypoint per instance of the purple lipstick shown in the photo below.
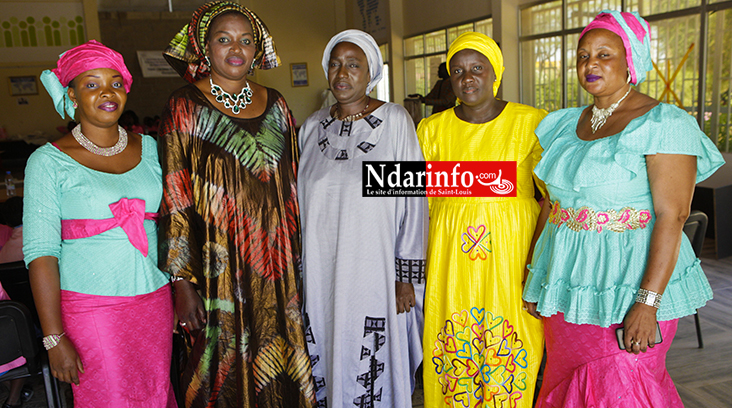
(592, 78)
(108, 106)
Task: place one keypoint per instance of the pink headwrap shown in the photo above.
(90, 55)
(636, 36)
(87, 56)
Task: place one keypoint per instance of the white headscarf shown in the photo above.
(369, 47)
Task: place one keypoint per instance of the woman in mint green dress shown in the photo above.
(620, 176)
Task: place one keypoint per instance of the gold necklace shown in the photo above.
(355, 116)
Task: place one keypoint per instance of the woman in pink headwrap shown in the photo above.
(91, 199)
(612, 269)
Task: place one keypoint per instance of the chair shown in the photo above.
(695, 228)
(18, 339)
(17, 319)
(15, 280)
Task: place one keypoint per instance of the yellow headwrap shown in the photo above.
(484, 45)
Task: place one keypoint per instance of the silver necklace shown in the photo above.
(237, 102)
(600, 115)
(101, 151)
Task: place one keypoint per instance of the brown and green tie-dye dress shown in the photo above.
(229, 224)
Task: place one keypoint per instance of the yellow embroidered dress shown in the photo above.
(481, 349)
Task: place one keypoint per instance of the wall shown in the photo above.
(129, 32)
(301, 29)
(29, 58)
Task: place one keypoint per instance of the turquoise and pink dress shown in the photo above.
(116, 305)
(591, 256)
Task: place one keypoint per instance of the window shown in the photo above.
(550, 31)
(424, 53)
(382, 88)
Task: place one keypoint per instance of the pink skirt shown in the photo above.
(125, 345)
(586, 368)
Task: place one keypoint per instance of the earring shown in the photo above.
(627, 82)
(74, 105)
(208, 61)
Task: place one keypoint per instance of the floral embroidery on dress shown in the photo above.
(476, 243)
(587, 219)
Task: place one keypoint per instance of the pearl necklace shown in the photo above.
(101, 151)
(600, 115)
(355, 116)
(237, 102)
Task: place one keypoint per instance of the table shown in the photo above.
(713, 196)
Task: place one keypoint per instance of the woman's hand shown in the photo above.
(65, 362)
(405, 299)
(530, 308)
(640, 328)
(189, 306)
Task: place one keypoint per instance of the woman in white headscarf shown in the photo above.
(363, 257)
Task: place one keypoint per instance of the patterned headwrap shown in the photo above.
(187, 50)
(636, 35)
(365, 42)
(484, 45)
(82, 58)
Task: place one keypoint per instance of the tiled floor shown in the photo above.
(703, 377)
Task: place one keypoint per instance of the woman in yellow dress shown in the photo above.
(481, 348)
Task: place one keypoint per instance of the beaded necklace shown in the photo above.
(101, 151)
(353, 117)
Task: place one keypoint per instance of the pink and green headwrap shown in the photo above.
(636, 35)
(85, 57)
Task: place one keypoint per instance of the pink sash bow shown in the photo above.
(129, 214)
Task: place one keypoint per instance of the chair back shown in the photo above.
(18, 337)
(695, 228)
(15, 280)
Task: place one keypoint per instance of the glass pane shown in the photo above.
(544, 18)
(649, 7)
(433, 64)
(455, 32)
(414, 46)
(541, 74)
(673, 50)
(384, 48)
(581, 12)
(435, 42)
(717, 106)
(484, 26)
(382, 88)
(415, 76)
(576, 95)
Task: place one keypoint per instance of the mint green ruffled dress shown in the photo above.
(589, 264)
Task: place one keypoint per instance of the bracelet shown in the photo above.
(648, 298)
(174, 279)
(52, 340)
